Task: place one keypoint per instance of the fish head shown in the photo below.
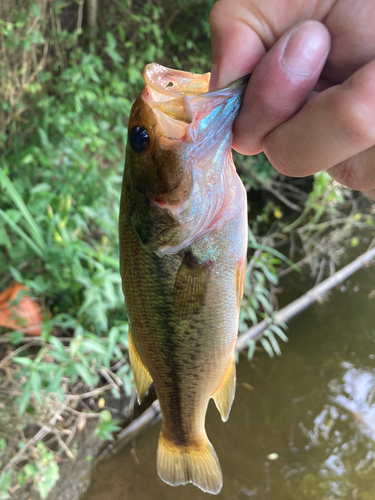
(158, 129)
(179, 138)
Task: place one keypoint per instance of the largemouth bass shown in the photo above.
(183, 242)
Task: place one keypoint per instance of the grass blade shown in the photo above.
(21, 233)
(276, 253)
(18, 201)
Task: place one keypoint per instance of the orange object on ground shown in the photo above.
(25, 314)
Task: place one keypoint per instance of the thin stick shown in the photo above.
(313, 295)
(112, 376)
(17, 351)
(80, 15)
(94, 392)
(65, 448)
(282, 198)
(285, 185)
(82, 413)
(4, 339)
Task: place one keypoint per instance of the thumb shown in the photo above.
(281, 84)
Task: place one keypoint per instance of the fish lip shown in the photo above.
(157, 78)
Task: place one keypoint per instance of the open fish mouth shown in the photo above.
(180, 98)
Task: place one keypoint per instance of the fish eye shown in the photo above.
(139, 139)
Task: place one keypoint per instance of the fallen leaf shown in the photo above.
(18, 311)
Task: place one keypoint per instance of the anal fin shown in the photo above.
(190, 286)
(142, 377)
(240, 282)
(189, 464)
(224, 395)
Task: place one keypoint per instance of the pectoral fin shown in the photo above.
(141, 375)
(224, 395)
(190, 286)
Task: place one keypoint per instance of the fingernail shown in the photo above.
(305, 49)
(214, 77)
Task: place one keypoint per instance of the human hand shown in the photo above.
(310, 102)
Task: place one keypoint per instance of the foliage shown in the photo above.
(60, 182)
(106, 426)
(5, 483)
(44, 471)
(261, 273)
(254, 169)
(85, 357)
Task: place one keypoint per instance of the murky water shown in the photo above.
(302, 426)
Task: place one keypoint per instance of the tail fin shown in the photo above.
(187, 464)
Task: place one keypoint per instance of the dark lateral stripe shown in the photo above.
(173, 373)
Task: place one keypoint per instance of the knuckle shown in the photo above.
(355, 116)
(280, 160)
(350, 173)
(370, 193)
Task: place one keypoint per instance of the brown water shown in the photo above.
(314, 407)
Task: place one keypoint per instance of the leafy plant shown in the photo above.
(106, 426)
(5, 484)
(43, 471)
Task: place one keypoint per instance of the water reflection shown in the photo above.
(343, 435)
(305, 430)
(357, 395)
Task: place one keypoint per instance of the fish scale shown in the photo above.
(183, 242)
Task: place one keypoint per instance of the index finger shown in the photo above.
(242, 31)
(236, 47)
